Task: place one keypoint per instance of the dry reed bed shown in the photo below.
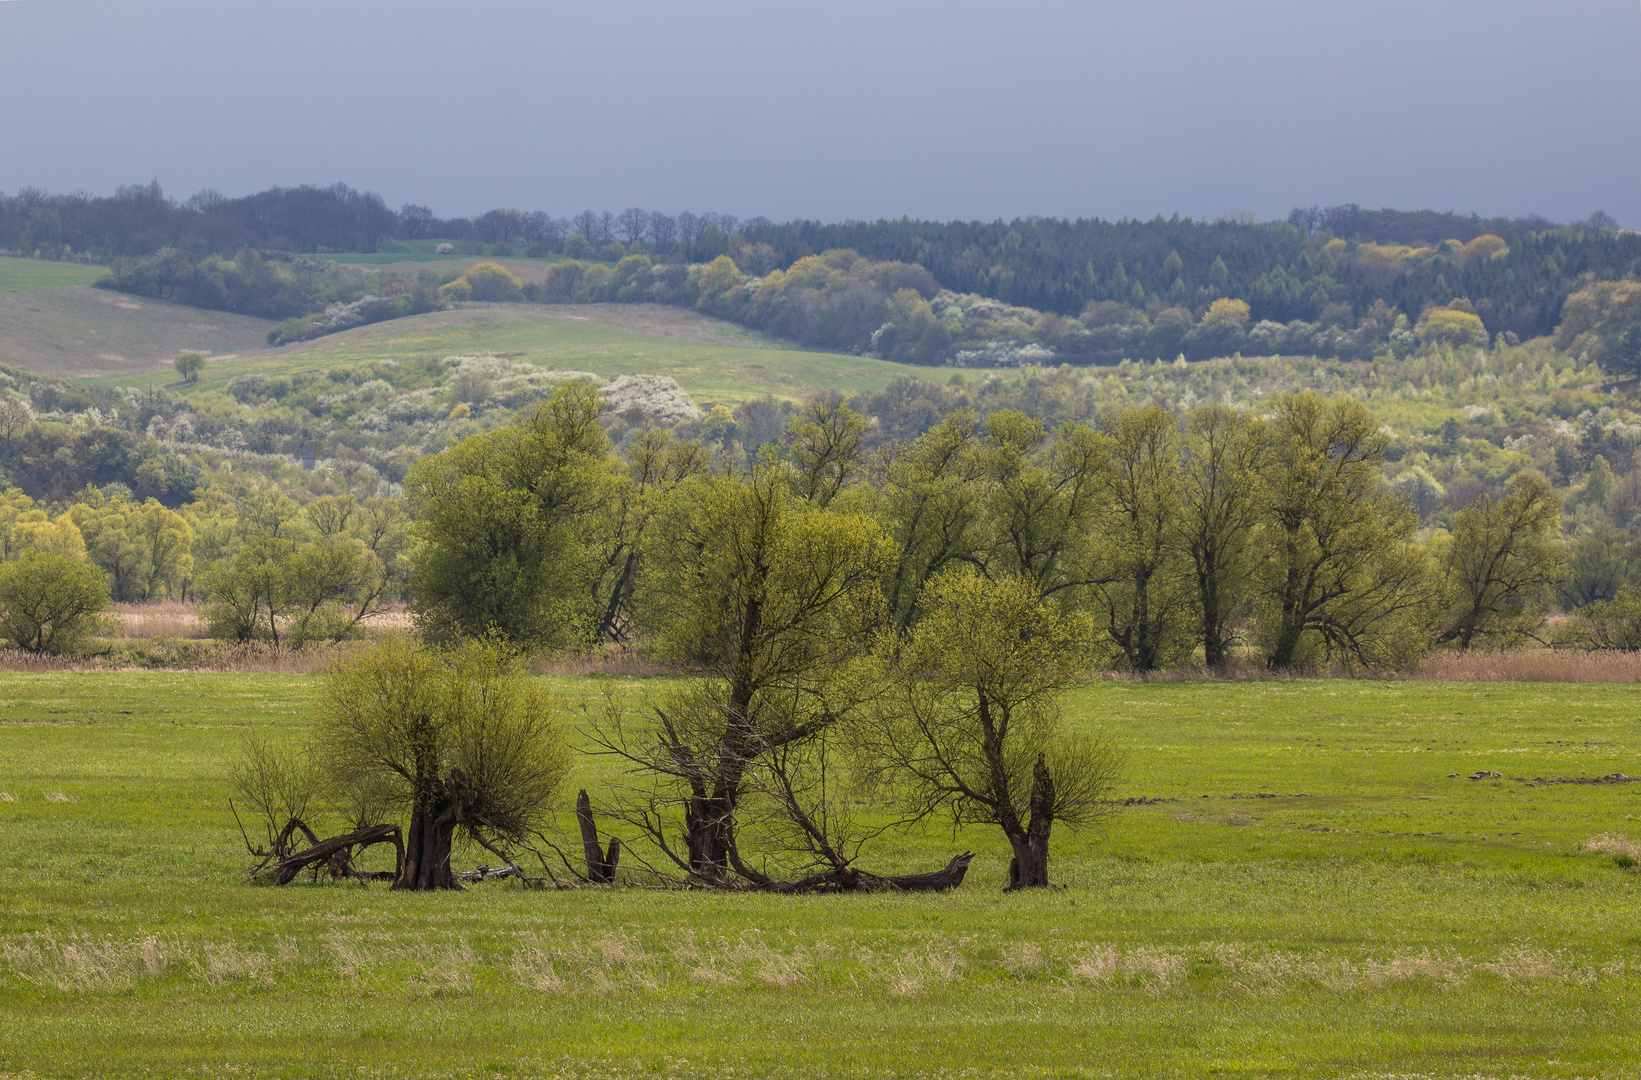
(164, 619)
(1530, 665)
(249, 658)
(621, 964)
(1515, 665)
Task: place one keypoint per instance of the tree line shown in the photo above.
(908, 618)
(1324, 266)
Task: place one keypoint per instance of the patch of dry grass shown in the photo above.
(1512, 665)
(1530, 665)
(181, 654)
(622, 661)
(164, 619)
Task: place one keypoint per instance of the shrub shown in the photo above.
(491, 281)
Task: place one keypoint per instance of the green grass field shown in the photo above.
(1313, 896)
(32, 275)
(730, 369)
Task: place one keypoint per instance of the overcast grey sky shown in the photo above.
(838, 109)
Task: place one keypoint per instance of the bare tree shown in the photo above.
(689, 227)
(663, 231)
(632, 225)
(585, 225)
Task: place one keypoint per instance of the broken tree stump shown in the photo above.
(600, 863)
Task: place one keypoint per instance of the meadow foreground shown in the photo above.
(1311, 886)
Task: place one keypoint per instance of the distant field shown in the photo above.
(423, 260)
(409, 253)
(1311, 894)
(723, 364)
(28, 275)
(77, 331)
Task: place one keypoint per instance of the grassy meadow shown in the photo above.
(31, 275)
(711, 360)
(1306, 891)
(54, 323)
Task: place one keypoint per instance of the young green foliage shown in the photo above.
(1501, 561)
(50, 603)
(503, 522)
(462, 739)
(968, 718)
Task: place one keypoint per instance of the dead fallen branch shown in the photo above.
(338, 852)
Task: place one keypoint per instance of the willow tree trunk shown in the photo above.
(1029, 867)
(427, 849)
(709, 833)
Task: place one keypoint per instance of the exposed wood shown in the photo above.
(600, 864)
(848, 879)
(324, 851)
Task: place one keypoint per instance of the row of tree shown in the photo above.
(266, 568)
(890, 632)
(1180, 538)
(139, 220)
(1321, 265)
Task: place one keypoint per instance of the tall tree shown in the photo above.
(766, 597)
(931, 495)
(1341, 570)
(1140, 592)
(503, 521)
(968, 719)
(1043, 495)
(1500, 562)
(1222, 493)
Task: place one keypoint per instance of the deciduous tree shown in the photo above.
(1501, 561)
(968, 719)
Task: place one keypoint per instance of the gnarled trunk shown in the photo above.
(709, 835)
(427, 849)
(1029, 867)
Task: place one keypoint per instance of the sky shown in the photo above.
(841, 109)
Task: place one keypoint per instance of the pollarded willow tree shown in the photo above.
(415, 746)
(762, 597)
(967, 718)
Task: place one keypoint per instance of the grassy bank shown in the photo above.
(1312, 893)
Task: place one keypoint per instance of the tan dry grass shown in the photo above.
(163, 619)
(1530, 665)
(618, 963)
(1626, 851)
(81, 964)
(250, 658)
(1146, 967)
(619, 660)
(934, 963)
(1514, 665)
